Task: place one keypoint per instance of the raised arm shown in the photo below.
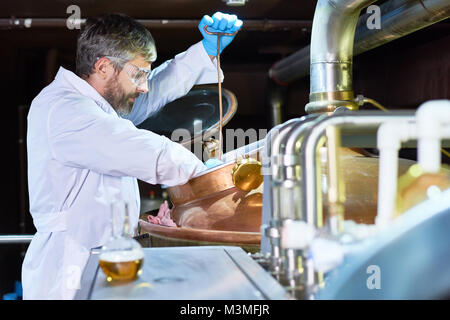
(197, 65)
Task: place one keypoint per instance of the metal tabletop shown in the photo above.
(186, 273)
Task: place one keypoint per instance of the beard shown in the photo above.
(117, 98)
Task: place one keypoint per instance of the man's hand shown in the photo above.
(219, 22)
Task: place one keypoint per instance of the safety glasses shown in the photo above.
(138, 76)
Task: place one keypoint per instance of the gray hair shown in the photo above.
(115, 35)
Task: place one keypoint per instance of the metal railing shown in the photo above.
(15, 238)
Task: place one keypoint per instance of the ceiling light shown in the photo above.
(235, 3)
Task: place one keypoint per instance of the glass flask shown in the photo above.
(121, 258)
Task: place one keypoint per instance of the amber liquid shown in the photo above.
(122, 270)
(416, 186)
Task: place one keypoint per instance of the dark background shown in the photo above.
(401, 74)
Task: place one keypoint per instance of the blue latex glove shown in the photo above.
(219, 22)
(213, 162)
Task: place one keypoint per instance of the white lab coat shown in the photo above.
(82, 156)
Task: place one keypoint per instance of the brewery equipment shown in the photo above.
(408, 260)
(319, 187)
(297, 174)
(429, 127)
(221, 205)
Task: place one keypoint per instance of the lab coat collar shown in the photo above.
(84, 88)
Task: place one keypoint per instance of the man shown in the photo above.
(84, 150)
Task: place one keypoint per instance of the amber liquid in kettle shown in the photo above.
(122, 270)
(417, 185)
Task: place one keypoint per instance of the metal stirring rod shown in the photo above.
(219, 83)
